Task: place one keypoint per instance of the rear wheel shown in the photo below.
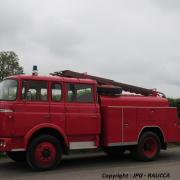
(19, 156)
(148, 147)
(44, 153)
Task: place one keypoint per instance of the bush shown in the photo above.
(174, 102)
(2, 155)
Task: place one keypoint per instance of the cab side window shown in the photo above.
(34, 90)
(79, 93)
(56, 92)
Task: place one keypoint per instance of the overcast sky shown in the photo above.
(136, 42)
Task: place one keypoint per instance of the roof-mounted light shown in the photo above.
(35, 71)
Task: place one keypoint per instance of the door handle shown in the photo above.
(46, 116)
(126, 124)
(94, 117)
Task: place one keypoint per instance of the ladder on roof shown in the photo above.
(104, 81)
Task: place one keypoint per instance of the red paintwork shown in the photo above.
(111, 120)
(134, 101)
(5, 119)
(66, 118)
(53, 78)
(38, 127)
(126, 116)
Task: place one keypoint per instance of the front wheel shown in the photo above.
(148, 147)
(44, 153)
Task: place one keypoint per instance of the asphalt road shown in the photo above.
(99, 166)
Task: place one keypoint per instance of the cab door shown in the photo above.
(33, 107)
(57, 105)
(82, 116)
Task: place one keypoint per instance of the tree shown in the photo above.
(174, 102)
(9, 64)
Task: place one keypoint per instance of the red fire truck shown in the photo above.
(44, 117)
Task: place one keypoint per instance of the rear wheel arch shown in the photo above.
(158, 131)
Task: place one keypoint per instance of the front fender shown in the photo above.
(42, 126)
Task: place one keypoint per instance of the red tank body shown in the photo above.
(131, 114)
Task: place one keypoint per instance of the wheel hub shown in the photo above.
(46, 153)
(150, 147)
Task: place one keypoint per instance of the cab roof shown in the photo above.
(52, 78)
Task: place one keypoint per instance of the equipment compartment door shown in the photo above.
(129, 125)
(112, 126)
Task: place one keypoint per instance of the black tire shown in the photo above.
(148, 148)
(109, 90)
(44, 153)
(114, 151)
(19, 156)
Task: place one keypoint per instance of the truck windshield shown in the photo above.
(8, 90)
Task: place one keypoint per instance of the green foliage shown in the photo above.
(9, 64)
(2, 155)
(174, 102)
